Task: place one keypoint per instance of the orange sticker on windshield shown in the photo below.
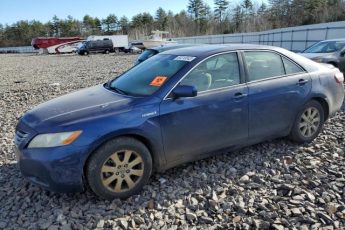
(158, 81)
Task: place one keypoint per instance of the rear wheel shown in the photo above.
(119, 169)
(106, 52)
(86, 53)
(308, 123)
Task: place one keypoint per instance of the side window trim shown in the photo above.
(282, 60)
(240, 66)
(244, 66)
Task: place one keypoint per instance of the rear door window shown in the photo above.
(263, 64)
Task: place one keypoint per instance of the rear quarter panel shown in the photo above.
(325, 86)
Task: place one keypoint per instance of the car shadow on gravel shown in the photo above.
(227, 174)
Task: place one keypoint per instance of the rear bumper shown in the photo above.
(338, 99)
(57, 169)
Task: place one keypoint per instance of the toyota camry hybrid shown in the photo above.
(178, 106)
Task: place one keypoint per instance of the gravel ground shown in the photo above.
(273, 185)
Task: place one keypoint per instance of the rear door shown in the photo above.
(216, 118)
(278, 87)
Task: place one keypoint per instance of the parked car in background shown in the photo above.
(329, 51)
(178, 106)
(146, 54)
(96, 46)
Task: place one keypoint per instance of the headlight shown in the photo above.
(54, 139)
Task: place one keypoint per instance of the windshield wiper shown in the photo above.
(107, 84)
(118, 90)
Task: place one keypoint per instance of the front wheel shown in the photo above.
(308, 123)
(119, 169)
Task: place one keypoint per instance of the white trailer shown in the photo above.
(120, 42)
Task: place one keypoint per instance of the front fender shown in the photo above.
(149, 133)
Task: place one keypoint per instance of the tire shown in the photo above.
(106, 52)
(86, 53)
(110, 177)
(307, 127)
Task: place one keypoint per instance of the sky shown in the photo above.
(43, 10)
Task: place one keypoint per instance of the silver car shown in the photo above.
(328, 51)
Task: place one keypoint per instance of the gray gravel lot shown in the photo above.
(273, 185)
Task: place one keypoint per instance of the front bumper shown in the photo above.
(58, 169)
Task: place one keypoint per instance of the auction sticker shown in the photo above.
(184, 58)
(158, 81)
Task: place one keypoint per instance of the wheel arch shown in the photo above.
(156, 161)
(324, 105)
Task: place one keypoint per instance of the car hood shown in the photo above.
(83, 104)
(316, 55)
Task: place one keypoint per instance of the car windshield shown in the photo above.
(81, 45)
(326, 47)
(146, 54)
(148, 77)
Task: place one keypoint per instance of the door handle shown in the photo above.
(239, 95)
(302, 81)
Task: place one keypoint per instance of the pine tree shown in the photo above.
(124, 24)
(110, 23)
(238, 18)
(197, 10)
(88, 24)
(205, 13)
(247, 5)
(221, 7)
(195, 7)
(161, 18)
(55, 26)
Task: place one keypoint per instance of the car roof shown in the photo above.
(160, 49)
(206, 50)
(203, 51)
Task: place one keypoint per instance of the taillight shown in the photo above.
(339, 77)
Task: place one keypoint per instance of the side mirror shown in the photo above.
(184, 91)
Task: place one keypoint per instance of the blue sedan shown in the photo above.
(178, 106)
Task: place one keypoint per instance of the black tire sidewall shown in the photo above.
(295, 134)
(97, 159)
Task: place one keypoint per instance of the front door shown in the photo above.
(215, 119)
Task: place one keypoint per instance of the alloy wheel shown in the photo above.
(122, 171)
(309, 121)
